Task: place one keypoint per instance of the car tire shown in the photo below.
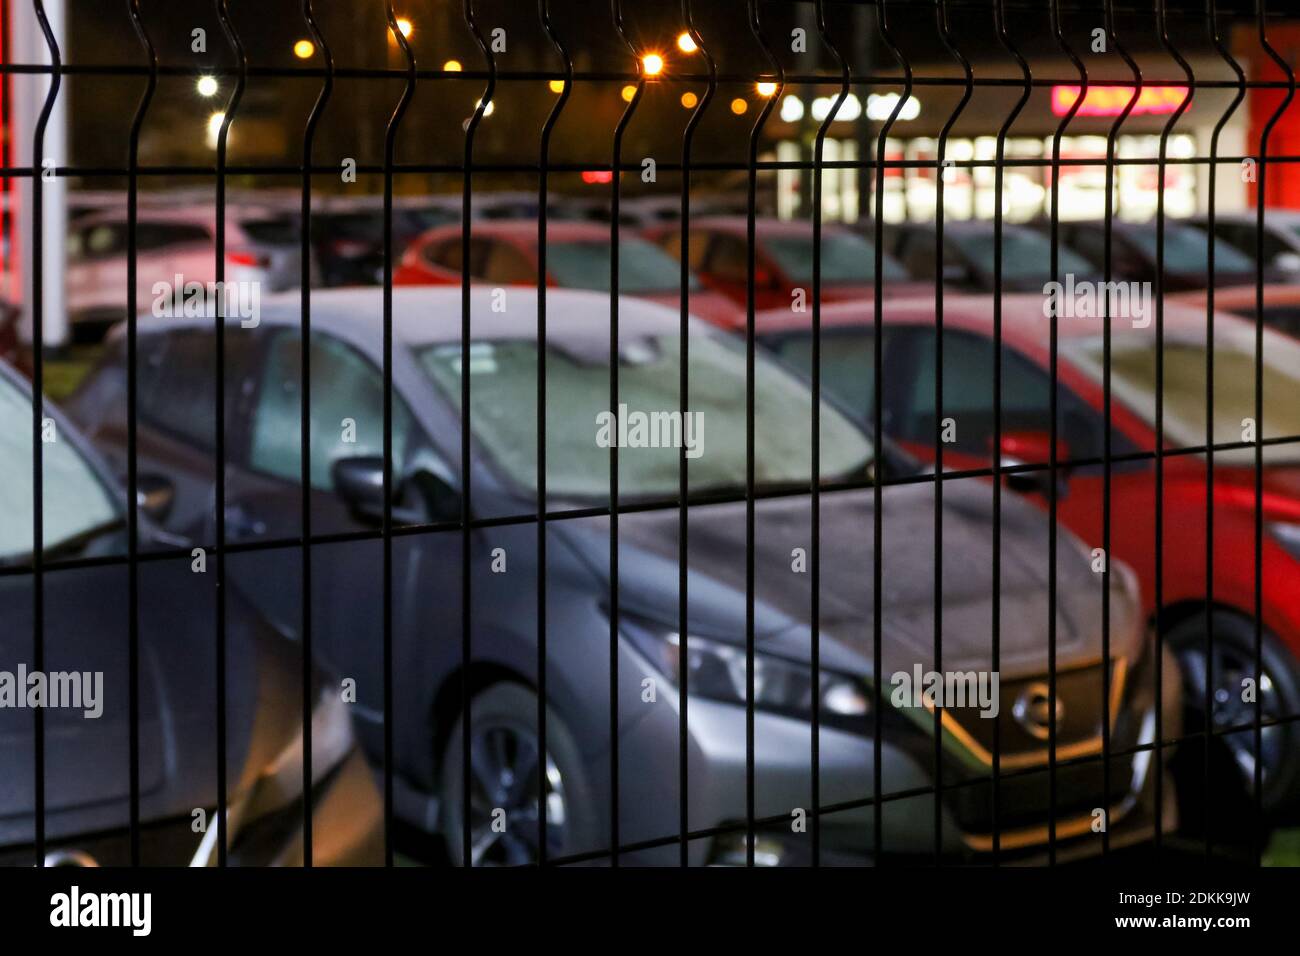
(1232, 755)
(503, 728)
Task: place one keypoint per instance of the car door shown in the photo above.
(1026, 411)
(346, 421)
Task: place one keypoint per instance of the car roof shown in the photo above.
(973, 226)
(1240, 296)
(1271, 216)
(180, 215)
(1024, 324)
(739, 225)
(564, 230)
(429, 315)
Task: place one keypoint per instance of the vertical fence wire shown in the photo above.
(1108, 412)
(304, 421)
(1261, 194)
(819, 151)
(1053, 453)
(38, 416)
(683, 477)
(466, 331)
(887, 39)
(1207, 738)
(132, 466)
(223, 138)
(751, 198)
(620, 27)
(543, 203)
(1159, 298)
(999, 176)
(945, 38)
(390, 143)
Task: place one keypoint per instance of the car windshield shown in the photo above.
(1134, 374)
(649, 430)
(1187, 249)
(1026, 254)
(846, 258)
(642, 266)
(76, 503)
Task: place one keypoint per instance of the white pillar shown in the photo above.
(28, 92)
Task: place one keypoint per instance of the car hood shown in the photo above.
(717, 583)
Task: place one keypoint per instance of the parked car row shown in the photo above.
(347, 247)
(262, 499)
(1114, 684)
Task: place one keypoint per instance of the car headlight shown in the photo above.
(1287, 535)
(717, 671)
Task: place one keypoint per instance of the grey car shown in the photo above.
(85, 632)
(346, 505)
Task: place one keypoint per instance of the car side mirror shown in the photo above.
(421, 498)
(1034, 448)
(360, 483)
(154, 496)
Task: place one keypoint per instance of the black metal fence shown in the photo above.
(993, 79)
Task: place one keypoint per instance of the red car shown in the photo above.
(577, 257)
(910, 417)
(783, 261)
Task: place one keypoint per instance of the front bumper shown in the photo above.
(782, 788)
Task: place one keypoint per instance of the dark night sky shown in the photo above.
(270, 120)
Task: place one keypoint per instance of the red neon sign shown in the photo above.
(1111, 100)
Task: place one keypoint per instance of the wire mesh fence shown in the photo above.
(746, 432)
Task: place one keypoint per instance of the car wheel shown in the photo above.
(1232, 662)
(504, 812)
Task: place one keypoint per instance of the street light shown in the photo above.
(404, 25)
(739, 105)
(557, 86)
(689, 100)
(207, 86)
(686, 43)
(452, 66)
(304, 49)
(766, 89)
(629, 91)
(652, 64)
